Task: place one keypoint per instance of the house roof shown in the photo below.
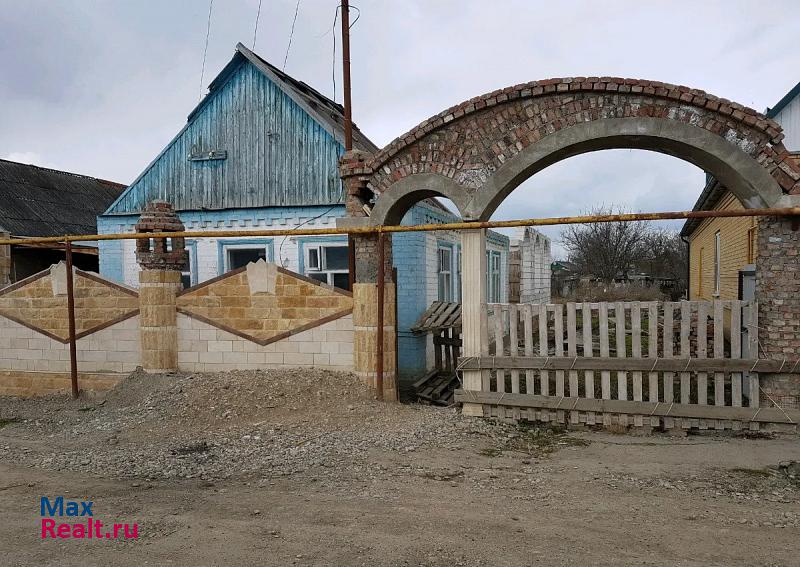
(281, 140)
(789, 97)
(37, 201)
(713, 190)
(328, 113)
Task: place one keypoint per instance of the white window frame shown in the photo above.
(717, 262)
(226, 248)
(321, 267)
(444, 269)
(494, 276)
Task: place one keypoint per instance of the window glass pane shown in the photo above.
(240, 257)
(445, 287)
(186, 280)
(320, 277)
(341, 281)
(336, 258)
(445, 260)
(313, 259)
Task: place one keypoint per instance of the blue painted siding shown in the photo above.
(277, 155)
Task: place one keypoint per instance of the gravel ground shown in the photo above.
(300, 467)
(217, 426)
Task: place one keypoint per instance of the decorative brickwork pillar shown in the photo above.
(5, 261)
(365, 287)
(162, 260)
(778, 295)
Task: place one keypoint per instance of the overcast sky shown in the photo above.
(99, 87)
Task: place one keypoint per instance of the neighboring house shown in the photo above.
(36, 201)
(530, 249)
(261, 151)
(722, 251)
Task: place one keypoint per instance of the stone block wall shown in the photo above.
(41, 303)
(158, 290)
(223, 325)
(110, 350)
(296, 303)
(205, 348)
(365, 344)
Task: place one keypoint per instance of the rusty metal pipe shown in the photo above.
(549, 221)
(73, 349)
(379, 338)
(348, 111)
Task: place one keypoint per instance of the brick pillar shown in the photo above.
(5, 261)
(778, 295)
(162, 260)
(365, 287)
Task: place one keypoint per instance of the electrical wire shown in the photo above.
(291, 34)
(205, 50)
(255, 32)
(333, 32)
(333, 29)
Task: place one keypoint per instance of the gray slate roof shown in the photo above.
(36, 201)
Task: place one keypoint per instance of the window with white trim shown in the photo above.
(237, 256)
(493, 276)
(328, 263)
(445, 273)
(187, 277)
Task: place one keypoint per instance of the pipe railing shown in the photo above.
(466, 225)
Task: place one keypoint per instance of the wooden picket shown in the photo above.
(551, 354)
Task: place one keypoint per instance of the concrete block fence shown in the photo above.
(217, 326)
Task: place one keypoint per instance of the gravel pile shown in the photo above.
(223, 425)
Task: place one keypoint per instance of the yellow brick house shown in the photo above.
(722, 251)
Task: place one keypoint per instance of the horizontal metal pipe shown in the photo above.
(551, 221)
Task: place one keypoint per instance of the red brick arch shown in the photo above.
(476, 152)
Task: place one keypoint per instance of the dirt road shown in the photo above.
(351, 482)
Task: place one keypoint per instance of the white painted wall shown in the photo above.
(535, 261)
(789, 119)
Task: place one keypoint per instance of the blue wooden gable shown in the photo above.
(258, 139)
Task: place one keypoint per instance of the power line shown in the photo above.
(333, 29)
(333, 64)
(255, 32)
(291, 34)
(205, 50)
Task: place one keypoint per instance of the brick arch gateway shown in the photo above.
(478, 152)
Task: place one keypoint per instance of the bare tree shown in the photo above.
(605, 250)
(667, 256)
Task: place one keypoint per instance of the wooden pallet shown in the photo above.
(437, 388)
